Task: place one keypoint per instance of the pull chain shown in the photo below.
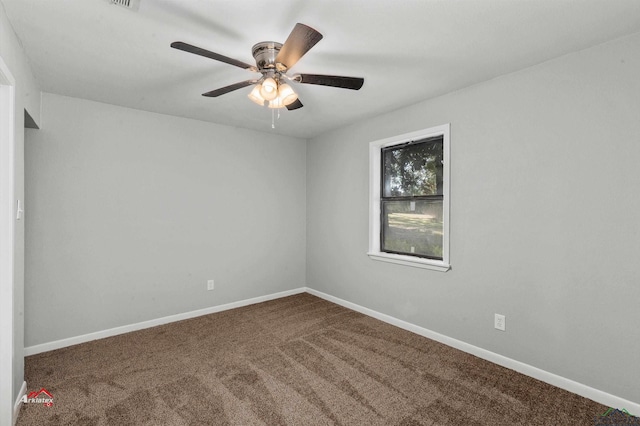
(273, 117)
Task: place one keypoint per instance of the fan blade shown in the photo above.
(301, 39)
(353, 83)
(295, 105)
(230, 88)
(207, 54)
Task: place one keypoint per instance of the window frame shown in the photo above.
(375, 198)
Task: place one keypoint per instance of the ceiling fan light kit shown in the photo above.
(273, 60)
(279, 95)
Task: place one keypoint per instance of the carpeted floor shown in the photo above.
(299, 360)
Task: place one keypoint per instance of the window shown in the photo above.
(409, 205)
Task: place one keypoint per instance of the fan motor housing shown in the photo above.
(265, 54)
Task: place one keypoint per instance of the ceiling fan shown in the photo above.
(273, 60)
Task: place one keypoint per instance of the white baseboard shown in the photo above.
(526, 369)
(18, 403)
(63, 343)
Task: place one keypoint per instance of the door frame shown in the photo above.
(7, 248)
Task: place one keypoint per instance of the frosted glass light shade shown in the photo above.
(269, 89)
(286, 94)
(255, 95)
(276, 103)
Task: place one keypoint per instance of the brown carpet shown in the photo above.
(298, 360)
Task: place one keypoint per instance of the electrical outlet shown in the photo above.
(499, 322)
(210, 285)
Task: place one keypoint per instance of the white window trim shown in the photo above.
(374, 200)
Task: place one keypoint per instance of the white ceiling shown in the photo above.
(407, 50)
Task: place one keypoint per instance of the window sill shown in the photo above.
(416, 262)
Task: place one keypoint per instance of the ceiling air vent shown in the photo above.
(129, 4)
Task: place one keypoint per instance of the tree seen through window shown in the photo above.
(412, 197)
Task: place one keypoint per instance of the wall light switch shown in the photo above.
(19, 211)
(499, 322)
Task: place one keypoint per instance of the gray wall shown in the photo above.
(544, 218)
(27, 98)
(131, 212)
